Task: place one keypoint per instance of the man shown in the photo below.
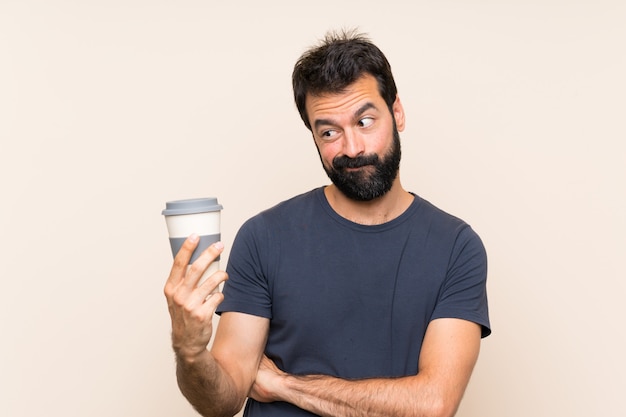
(354, 299)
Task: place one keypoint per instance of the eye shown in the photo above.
(328, 134)
(366, 122)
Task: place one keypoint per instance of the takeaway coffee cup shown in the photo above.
(198, 215)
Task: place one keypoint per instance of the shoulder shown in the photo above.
(283, 212)
(445, 231)
(290, 207)
(439, 220)
(294, 203)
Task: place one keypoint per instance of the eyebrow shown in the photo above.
(365, 107)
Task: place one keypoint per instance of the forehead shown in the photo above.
(364, 90)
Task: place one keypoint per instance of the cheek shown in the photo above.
(383, 142)
(327, 152)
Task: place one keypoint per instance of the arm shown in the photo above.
(448, 355)
(216, 383)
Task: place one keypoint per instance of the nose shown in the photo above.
(353, 144)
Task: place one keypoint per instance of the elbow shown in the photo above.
(217, 412)
(442, 408)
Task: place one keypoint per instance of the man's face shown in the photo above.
(366, 184)
(357, 139)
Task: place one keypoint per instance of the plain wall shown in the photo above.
(515, 123)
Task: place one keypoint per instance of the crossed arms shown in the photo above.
(217, 382)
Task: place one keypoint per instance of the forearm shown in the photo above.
(409, 396)
(207, 387)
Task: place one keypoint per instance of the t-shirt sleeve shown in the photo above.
(464, 292)
(246, 290)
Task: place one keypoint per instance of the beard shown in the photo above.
(364, 185)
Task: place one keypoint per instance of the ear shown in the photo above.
(398, 114)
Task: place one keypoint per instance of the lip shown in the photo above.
(352, 169)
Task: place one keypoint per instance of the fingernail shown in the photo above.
(193, 238)
(218, 245)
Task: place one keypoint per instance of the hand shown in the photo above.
(267, 383)
(191, 305)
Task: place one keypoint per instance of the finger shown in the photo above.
(207, 296)
(211, 303)
(205, 291)
(181, 260)
(212, 283)
(196, 270)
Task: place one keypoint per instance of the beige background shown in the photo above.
(515, 122)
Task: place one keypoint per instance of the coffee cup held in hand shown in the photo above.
(200, 216)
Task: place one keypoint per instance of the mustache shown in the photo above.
(342, 162)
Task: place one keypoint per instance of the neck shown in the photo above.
(377, 211)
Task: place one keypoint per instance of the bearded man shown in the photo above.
(357, 298)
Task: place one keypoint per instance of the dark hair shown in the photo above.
(339, 60)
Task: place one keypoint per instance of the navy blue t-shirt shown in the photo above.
(350, 300)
